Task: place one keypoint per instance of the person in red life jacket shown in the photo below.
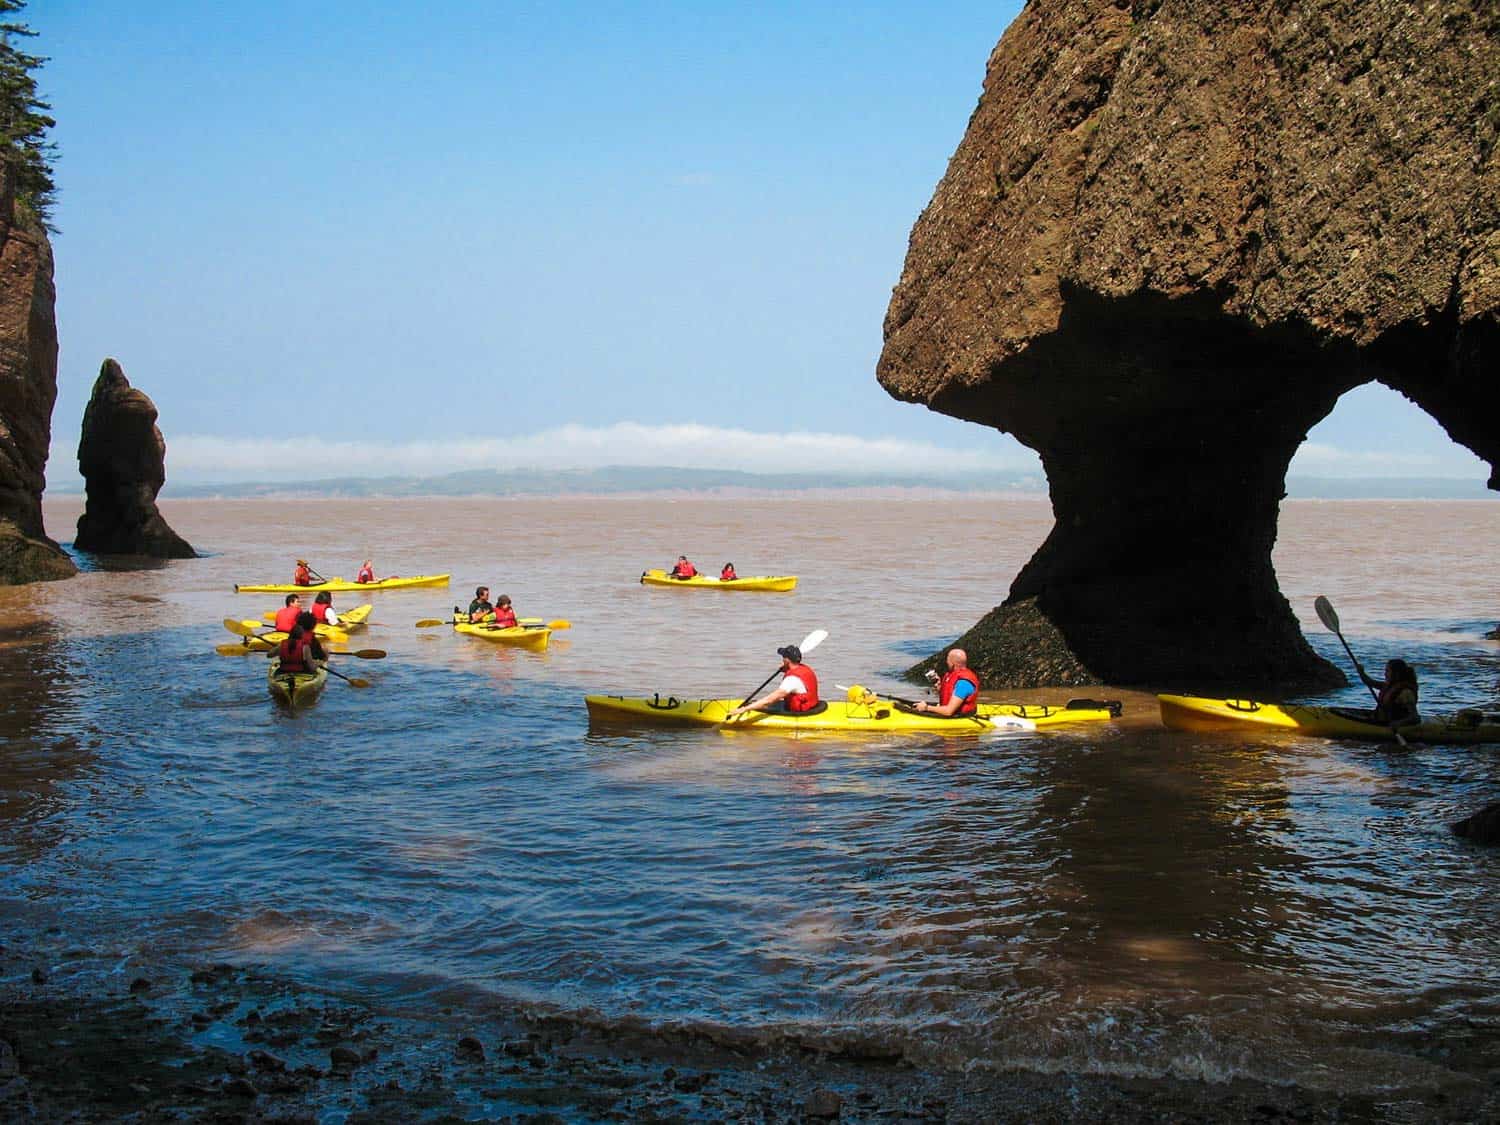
(322, 609)
(958, 691)
(300, 651)
(684, 569)
(505, 616)
(303, 575)
(1396, 695)
(366, 572)
(286, 616)
(728, 574)
(480, 607)
(795, 694)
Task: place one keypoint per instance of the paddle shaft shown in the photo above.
(1330, 618)
(809, 642)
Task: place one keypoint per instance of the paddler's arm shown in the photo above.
(768, 700)
(955, 701)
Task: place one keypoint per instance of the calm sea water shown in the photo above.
(1122, 899)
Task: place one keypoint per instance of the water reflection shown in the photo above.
(43, 743)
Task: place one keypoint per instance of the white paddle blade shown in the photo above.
(813, 640)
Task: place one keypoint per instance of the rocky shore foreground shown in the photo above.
(91, 1034)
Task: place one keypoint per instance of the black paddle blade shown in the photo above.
(1324, 609)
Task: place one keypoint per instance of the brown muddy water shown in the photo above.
(1120, 900)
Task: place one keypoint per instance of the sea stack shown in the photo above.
(1174, 233)
(28, 389)
(122, 457)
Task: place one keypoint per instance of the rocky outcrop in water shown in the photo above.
(122, 457)
(28, 389)
(1173, 235)
(1483, 827)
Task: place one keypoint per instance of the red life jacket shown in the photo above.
(286, 617)
(301, 576)
(365, 575)
(727, 574)
(320, 612)
(950, 681)
(803, 701)
(505, 617)
(685, 570)
(293, 655)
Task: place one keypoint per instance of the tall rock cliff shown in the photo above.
(28, 389)
(123, 459)
(1175, 232)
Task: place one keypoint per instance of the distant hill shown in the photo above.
(626, 480)
(613, 480)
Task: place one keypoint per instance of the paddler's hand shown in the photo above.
(921, 705)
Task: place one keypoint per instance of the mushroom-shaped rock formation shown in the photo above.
(1173, 235)
(123, 461)
(28, 389)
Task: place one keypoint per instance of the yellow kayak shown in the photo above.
(877, 714)
(776, 582)
(530, 637)
(1196, 713)
(266, 640)
(349, 620)
(343, 586)
(296, 689)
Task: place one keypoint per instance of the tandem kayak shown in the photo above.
(775, 582)
(531, 637)
(296, 689)
(350, 620)
(1195, 713)
(839, 715)
(343, 586)
(335, 633)
(265, 642)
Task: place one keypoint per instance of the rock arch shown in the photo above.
(1172, 236)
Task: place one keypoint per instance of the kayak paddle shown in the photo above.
(809, 642)
(354, 681)
(1326, 614)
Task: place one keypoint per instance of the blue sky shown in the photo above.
(654, 233)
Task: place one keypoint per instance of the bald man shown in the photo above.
(958, 691)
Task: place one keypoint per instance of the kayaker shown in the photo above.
(322, 609)
(1396, 695)
(303, 575)
(728, 574)
(684, 569)
(796, 693)
(366, 572)
(300, 651)
(505, 616)
(480, 607)
(286, 616)
(958, 691)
